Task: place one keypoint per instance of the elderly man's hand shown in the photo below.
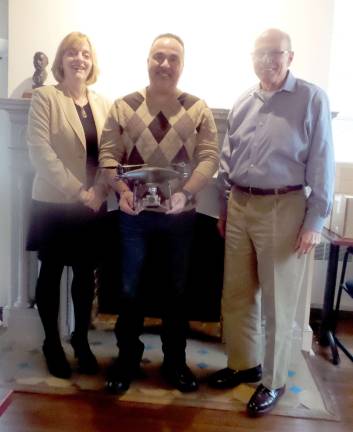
(177, 202)
(306, 241)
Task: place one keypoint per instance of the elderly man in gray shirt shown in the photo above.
(278, 141)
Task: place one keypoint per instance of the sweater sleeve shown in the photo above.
(206, 152)
(111, 149)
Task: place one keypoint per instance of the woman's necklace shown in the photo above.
(83, 111)
(81, 106)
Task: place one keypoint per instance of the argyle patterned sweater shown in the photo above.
(136, 132)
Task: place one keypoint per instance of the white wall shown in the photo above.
(341, 60)
(4, 177)
(218, 35)
(3, 35)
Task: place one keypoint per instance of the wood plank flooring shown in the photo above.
(92, 413)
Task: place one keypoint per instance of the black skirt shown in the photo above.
(69, 232)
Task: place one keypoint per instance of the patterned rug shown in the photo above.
(25, 370)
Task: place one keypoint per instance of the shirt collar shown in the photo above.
(288, 85)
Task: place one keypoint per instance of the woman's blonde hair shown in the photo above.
(72, 40)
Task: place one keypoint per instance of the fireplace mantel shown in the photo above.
(19, 316)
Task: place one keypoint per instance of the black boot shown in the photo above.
(87, 362)
(56, 359)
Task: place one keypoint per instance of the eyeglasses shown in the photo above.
(272, 55)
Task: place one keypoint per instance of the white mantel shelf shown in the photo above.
(12, 104)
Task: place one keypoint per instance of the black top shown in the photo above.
(89, 127)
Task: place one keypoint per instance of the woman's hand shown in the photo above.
(93, 198)
(83, 196)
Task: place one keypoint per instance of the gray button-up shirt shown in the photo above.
(280, 141)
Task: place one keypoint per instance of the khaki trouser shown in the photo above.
(262, 281)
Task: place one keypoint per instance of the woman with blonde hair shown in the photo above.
(64, 128)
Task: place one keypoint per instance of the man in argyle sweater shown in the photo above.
(159, 126)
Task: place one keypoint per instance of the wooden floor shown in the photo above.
(39, 413)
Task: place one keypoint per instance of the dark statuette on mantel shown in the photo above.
(40, 62)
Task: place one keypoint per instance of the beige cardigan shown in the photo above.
(57, 144)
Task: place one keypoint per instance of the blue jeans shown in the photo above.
(135, 232)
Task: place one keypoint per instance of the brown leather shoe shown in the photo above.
(229, 378)
(263, 400)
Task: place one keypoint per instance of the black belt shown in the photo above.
(275, 191)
